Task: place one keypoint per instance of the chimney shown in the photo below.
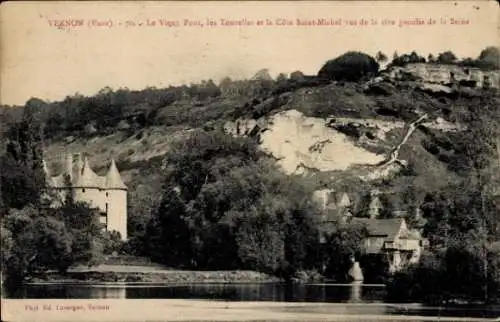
(79, 164)
(69, 165)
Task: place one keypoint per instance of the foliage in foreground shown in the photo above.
(460, 273)
(35, 237)
(463, 224)
(227, 206)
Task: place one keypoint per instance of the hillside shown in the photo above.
(264, 174)
(392, 132)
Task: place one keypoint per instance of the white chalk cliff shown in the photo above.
(300, 142)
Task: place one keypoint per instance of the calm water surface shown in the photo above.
(227, 292)
(359, 299)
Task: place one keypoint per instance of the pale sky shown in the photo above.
(38, 60)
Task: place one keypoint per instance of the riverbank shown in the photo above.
(152, 277)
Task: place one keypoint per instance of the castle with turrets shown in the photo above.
(105, 194)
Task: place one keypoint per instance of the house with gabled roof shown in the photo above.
(106, 194)
(394, 239)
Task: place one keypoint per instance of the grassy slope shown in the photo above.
(138, 152)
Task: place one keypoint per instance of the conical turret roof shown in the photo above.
(113, 178)
(81, 175)
(87, 177)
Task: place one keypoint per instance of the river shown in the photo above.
(358, 299)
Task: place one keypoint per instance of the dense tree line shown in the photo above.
(462, 218)
(226, 206)
(36, 237)
(110, 110)
(489, 58)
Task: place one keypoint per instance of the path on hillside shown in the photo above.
(393, 157)
(383, 168)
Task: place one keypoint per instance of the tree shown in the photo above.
(207, 90)
(18, 184)
(142, 202)
(489, 58)
(167, 238)
(53, 244)
(462, 219)
(405, 59)
(223, 202)
(88, 239)
(351, 66)
(395, 55)
(24, 181)
(6, 244)
(112, 243)
(261, 243)
(381, 57)
(225, 85)
(262, 75)
(343, 242)
(297, 75)
(38, 243)
(434, 280)
(281, 78)
(194, 166)
(261, 83)
(446, 57)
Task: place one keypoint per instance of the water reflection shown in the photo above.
(230, 292)
(353, 294)
(109, 292)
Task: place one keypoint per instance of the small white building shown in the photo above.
(107, 194)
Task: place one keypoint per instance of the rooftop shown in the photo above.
(81, 175)
(388, 228)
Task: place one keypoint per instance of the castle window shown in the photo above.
(103, 220)
(83, 189)
(107, 194)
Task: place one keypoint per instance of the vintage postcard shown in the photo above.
(250, 160)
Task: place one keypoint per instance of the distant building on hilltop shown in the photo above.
(107, 194)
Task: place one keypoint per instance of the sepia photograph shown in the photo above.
(250, 160)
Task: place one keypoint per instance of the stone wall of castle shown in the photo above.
(112, 202)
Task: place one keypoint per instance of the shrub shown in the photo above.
(447, 57)
(112, 242)
(351, 66)
(405, 59)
